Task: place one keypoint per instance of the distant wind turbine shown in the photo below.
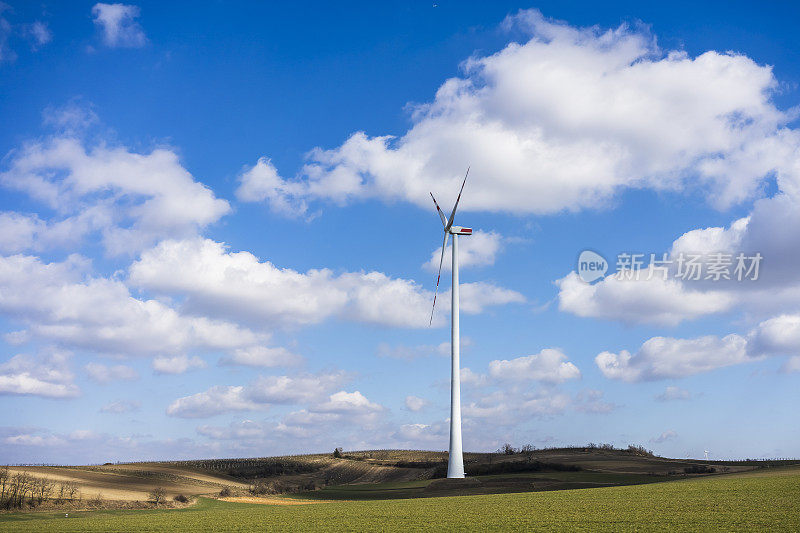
(706, 452)
(455, 465)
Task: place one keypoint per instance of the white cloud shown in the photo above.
(131, 199)
(563, 121)
(72, 118)
(511, 407)
(244, 430)
(177, 364)
(344, 402)
(264, 356)
(216, 400)
(261, 182)
(415, 403)
(47, 375)
(340, 409)
(655, 301)
(410, 353)
(259, 394)
(791, 365)
(771, 229)
(36, 33)
(591, 401)
(59, 302)
(776, 336)
(39, 33)
(106, 374)
(674, 393)
(468, 377)
(666, 357)
(414, 434)
(120, 407)
(238, 285)
(664, 437)
(549, 365)
(119, 26)
(25, 439)
(292, 390)
(479, 249)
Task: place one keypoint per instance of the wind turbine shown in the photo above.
(455, 465)
(706, 452)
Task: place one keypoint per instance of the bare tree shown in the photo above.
(4, 478)
(43, 488)
(158, 495)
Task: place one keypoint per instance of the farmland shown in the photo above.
(763, 499)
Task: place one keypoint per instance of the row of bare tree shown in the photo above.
(20, 488)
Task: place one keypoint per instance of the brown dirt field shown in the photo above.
(121, 486)
(269, 501)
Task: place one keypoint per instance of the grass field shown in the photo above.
(765, 500)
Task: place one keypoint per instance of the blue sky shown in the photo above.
(216, 237)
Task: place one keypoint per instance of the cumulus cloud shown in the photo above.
(177, 364)
(617, 112)
(674, 393)
(120, 407)
(416, 434)
(107, 373)
(297, 389)
(664, 437)
(214, 401)
(261, 182)
(591, 401)
(510, 407)
(47, 375)
(119, 26)
(415, 403)
(130, 199)
(479, 249)
(244, 430)
(666, 357)
(468, 377)
(59, 302)
(771, 230)
(264, 356)
(549, 365)
(777, 336)
(655, 300)
(791, 365)
(259, 394)
(344, 402)
(236, 284)
(410, 353)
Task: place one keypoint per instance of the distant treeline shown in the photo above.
(252, 468)
(507, 467)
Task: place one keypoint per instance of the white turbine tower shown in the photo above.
(706, 452)
(455, 465)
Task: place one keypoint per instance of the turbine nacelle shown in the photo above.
(460, 230)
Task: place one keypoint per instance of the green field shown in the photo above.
(760, 500)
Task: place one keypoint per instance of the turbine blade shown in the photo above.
(438, 276)
(438, 209)
(453, 214)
